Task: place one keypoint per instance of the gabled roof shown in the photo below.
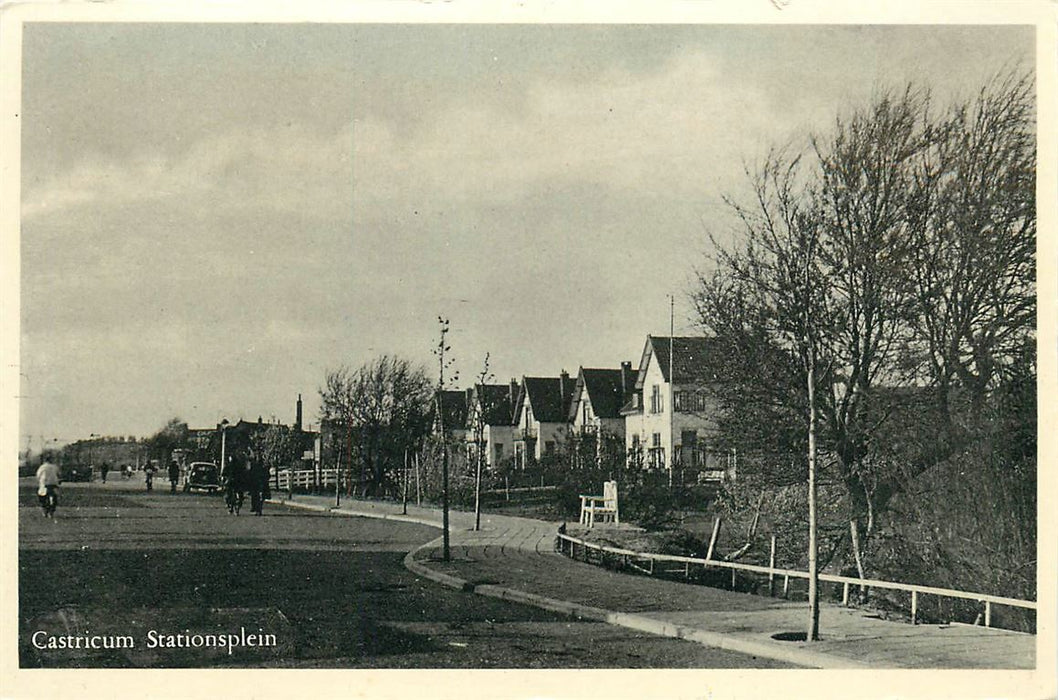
(550, 398)
(498, 406)
(454, 409)
(692, 356)
(604, 389)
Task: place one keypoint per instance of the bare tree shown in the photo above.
(275, 446)
(444, 365)
(385, 403)
(481, 413)
(890, 262)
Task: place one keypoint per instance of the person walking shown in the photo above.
(48, 486)
(258, 485)
(174, 475)
(148, 475)
(103, 469)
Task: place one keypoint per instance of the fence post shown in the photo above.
(988, 613)
(786, 586)
(733, 572)
(771, 565)
(845, 594)
(712, 540)
(914, 607)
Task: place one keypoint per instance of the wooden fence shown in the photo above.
(305, 479)
(645, 562)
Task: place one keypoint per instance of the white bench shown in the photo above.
(603, 507)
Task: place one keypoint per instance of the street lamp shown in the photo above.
(223, 445)
(91, 458)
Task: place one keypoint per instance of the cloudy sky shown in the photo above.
(215, 215)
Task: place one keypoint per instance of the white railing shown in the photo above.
(305, 478)
(637, 560)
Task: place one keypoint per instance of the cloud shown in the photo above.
(254, 169)
(661, 131)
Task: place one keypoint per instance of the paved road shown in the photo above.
(119, 563)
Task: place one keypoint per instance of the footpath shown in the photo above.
(515, 559)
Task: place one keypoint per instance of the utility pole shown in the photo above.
(223, 446)
(672, 389)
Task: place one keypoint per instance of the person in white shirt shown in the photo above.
(48, 486)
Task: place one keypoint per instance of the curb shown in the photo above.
(761, 649)
(751, 647)
(340, 510)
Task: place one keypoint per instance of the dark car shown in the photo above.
(204, 476)
(75, 472)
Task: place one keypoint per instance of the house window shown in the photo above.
(499, 451)
(549, 447)
(656, 404)
(690, 401)
(656, 453)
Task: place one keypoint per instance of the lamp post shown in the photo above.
(91, 457)
(223, 445)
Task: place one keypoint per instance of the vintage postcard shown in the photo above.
(404, 348)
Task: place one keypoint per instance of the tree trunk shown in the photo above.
(418, 485)
(404, 495)
(854, 530)
(477, 491)
(813, 563)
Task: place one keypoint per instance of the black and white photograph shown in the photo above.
(417, 339)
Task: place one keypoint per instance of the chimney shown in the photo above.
(514, 391)
(563, 382)
(297, 418)
(627, 378)
(260, 420)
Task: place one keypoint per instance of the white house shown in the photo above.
(671, 420)
(595, 408)
(489, 415)
(541, 411)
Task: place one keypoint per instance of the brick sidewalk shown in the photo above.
(514, 558)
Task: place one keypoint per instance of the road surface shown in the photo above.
(123, 578)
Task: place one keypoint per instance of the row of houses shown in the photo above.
(660, 415)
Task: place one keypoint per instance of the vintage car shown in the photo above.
(204, 476)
